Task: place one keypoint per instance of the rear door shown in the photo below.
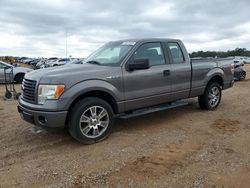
(180, 70)
(151, 86)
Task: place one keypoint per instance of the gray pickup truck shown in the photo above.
(119, 79)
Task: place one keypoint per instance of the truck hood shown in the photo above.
(71, 74)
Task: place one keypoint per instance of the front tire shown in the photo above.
(211, 98)
(91, 120)
(19, 78)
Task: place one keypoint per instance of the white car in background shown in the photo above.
(247, 60)
(40, 64)
(18, 72)
(51, 61)
(59, 62)
(239, 61)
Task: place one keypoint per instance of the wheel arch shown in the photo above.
(217, 79)
(215, 75)
(98, 94)
(17, 74)
(104, 95)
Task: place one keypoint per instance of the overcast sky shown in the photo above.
(38, 27)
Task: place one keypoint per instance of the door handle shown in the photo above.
(166, 72)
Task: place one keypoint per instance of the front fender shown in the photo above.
(91, 85)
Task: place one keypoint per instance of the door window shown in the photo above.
(152, 52)
(176, 53)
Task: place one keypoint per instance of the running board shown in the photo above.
(150, 110)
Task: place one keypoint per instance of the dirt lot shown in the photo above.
(184, 147)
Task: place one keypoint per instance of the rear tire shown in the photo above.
(211, 98)
(91, 120)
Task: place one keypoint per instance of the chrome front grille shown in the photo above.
(29, 90)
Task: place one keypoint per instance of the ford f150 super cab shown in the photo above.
(120, 79)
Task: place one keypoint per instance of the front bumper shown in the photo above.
(43, 118)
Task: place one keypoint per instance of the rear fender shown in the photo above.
(213, 73)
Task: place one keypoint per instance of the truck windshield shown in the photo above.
(111, 54)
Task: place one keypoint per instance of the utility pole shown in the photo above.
(66, 44)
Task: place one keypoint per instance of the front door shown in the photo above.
(150, 86)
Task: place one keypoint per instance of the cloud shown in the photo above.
(38, 28)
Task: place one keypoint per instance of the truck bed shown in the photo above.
(202, 67)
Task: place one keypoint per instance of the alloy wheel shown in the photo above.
(214, 96)
(94, 121)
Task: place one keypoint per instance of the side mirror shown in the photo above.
(138, 64)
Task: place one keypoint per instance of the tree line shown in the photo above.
(236, 52)
(8, 59)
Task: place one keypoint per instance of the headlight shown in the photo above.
(49, 92)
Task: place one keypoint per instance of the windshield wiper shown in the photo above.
(94, 62)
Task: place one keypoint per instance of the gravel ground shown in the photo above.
(184, 147)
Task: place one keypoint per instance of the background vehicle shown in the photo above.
(76, 61)
(27, 60)
(18, 72)
(60, 62)
(50, 61)
(239, 61)
(247, 60)
(34, 62)
(40, 64)
(239, 73)
(121, 79)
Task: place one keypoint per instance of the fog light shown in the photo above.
(42, 119)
